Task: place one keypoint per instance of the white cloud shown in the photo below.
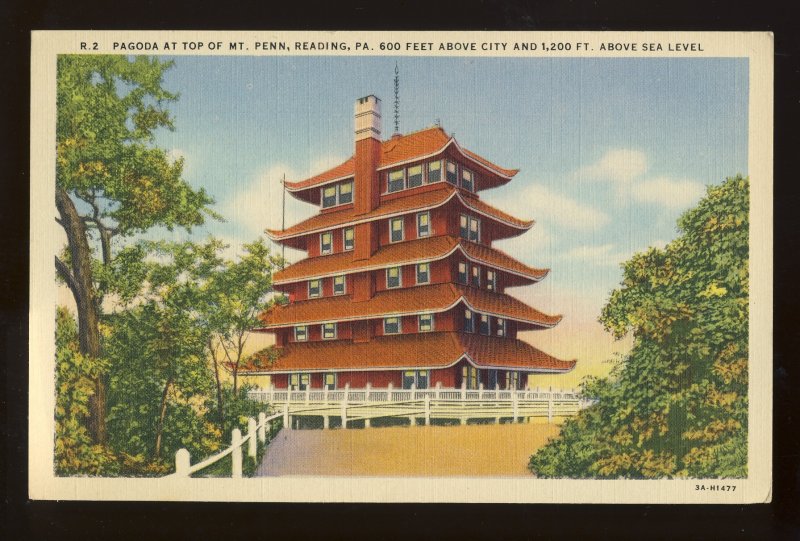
(669, 192)
(552, 208)
(618, 165)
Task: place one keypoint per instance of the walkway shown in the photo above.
(471, 450)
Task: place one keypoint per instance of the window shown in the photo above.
(425, 322)
(469, 324)
(417, 378)
(314, 288)
(345, 193)
(423, 224)
(396, 229)
(484, 326)
(512, 380)
(452, 173)
(434, 171)
(474, 229)
(415, 176)
(299, 382)
(300, 333)
(337, 195)
(326, 243)
(393, 277)
(338, 285)
(463, 227)
(469, 375)
(391, 325)
(349, 238)
(501, 327)
(492, 379)
(328, 196)
(329, 331)
(396, 180)
(423, 273)
(462, 272)
(491, 280)
(329, 381)
(467, 180)
(476, 276)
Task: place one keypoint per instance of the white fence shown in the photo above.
(435, 403)
(256, 432)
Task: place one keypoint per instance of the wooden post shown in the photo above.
(326, 422)
(427, 410)
(251, 443)
(389, 392)
(438, 389)
(514, 407)
(308, 392)
(182, 463)
(262, 427)
(463, 390)
(366, 423)
(236, 455)
(366, 392)
(344, 405)
(550, 408)
(286, 424)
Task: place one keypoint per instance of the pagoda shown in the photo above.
(401, 285)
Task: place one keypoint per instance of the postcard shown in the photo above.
(524, 267)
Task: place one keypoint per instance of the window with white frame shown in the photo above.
(314, 288)
(512, 380)
(329, 381)
(425, 322)
(301, 333)
(338, 194)
(299, 382)
(417, 378)
(326, 243)
(391, 325)
(396, 181)
(469, 321)
(476, 276)
(423, 224)
(328, 196)
(501, 327)
(349, 236)
(491, 280)
(396, 229)
(484, 325)
(338, 285)
(423, 273)
(452, 173)
(434, 171)
(394, 277)
(474, 229)
(463, 277)
(329, 331)
(345, 192)
(467, 180)
(463, 226)
(415, 176)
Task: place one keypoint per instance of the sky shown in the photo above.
(610, 152)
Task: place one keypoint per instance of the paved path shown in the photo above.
(472, 450)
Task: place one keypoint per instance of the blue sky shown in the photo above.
(611, 151)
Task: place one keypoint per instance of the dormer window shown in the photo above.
(338, 194)
(434, 171)
(396, 229)
(467, 180)
(415, 176)
(396, 181)
(326, 243)
(452, 173)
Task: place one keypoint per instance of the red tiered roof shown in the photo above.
(396, 151)
(406, 253)
(395, 207)
(412, 351)
(405, 301)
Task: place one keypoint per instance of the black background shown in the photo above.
(24, 519)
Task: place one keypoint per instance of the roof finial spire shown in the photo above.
(396, 98)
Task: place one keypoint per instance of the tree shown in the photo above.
(111, 181)
(677, 405)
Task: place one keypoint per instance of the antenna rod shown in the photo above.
(283, 221)
(396, 98)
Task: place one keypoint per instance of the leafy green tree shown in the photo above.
(677, 405)
(112, 182)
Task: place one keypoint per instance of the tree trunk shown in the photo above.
(82, 287)
(220, 406)
(161, 415)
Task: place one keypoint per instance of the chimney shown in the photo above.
(367, 181)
